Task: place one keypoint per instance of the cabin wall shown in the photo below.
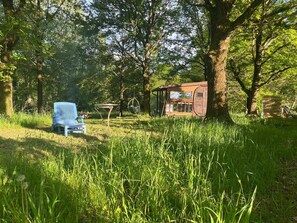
(200, 101)
(187, 104)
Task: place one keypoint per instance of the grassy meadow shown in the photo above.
(149, 170)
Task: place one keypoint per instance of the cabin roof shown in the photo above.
(165, 87)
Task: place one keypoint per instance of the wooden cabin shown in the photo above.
(182, 99)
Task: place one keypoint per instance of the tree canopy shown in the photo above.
(110, 51)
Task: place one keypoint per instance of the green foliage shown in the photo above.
(266, 43)
(87, 46)
(136, 34)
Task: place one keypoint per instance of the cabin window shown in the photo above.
(177, 95)
(180, 101)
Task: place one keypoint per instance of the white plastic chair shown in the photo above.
(65, 116)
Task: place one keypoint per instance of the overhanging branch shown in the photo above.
(245, 15)
(236, 74)
(274, 75)
(274, 52)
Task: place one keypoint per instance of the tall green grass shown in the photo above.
(179, 170)
(24, 120)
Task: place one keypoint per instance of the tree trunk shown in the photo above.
(146, 82)
(6, 104)
(217, 105)
(11, 14)
(146, 91)
(254, 90)
(252, 102)
(121, 92)
(39, 59)
(220, 31)
(39, 63)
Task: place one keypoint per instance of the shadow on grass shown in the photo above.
(253, 151)
(87, 137)
(52, 145)
(33, 157)
(131, 123)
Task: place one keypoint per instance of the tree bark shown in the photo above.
(253, 95)
(217, 105)
(122, 89)
(39, 84)
(146, 91)
(252, 102)
(6, 104)
(8, 43)
(146, 81)
(220, 31)
(39, 58)
(254, 90)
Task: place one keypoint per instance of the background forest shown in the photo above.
(91, 52)
(138, 168)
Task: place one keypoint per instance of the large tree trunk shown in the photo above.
(220, 30)
(217, 105)
(6, 104)
(8, 43)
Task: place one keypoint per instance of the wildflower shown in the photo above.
(25, 186)
(21, 178)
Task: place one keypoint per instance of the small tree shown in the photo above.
(271, 40)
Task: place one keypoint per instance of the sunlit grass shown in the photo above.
(24, 120)
(143, 170)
